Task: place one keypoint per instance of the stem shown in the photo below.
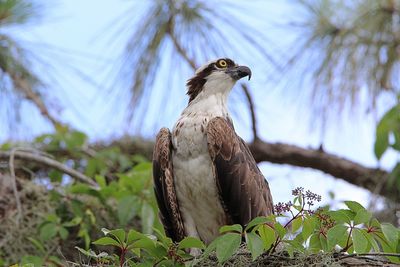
(122, 257)
(348, 240)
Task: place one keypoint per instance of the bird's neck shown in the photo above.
(214, 104)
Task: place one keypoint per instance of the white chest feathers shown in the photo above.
(195, 182)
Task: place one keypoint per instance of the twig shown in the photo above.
(252, 111)
(371, 254)
(181, 51)
(14, 185)
(36, 157)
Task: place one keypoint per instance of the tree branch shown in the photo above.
(351, 172)
(252, 110)
(38, 158)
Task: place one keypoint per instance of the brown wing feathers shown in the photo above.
(164, 186)
(244, 191)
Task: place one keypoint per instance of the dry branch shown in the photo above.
(40, 159)
(351, 172)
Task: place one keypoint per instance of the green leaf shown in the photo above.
(227, 245)
(354, 206)
(296, 224)
(267, 235)
(335, 234)
(382, 138)
(391, 233)
(48, 231)
(133, 235)
(119, 234)
(37, 244)
(315, 243)
(360, 242)
(372, 241)
(101, 180)
(31, 260)
(342, 216)
(147, 216)
(255, 244)
(63, 233)
(231, 228)
(308, 227)
(144, 242)
(55, 176)
(280, 229)
(257, 221)
(324, 243)
(362, 216)
(107, 241)
(125, 209)
(191, 242)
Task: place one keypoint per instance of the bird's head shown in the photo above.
(217, 76)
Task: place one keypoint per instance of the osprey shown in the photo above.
(204, 174)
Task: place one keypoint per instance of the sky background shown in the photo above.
(79, 45)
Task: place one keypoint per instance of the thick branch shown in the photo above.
(35, 157)
(351, 172)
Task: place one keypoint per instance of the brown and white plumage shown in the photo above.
(204, 174)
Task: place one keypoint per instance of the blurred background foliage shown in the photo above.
(347, 50)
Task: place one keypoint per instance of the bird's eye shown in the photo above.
(222, 63)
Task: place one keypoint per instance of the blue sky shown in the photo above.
(76, 39)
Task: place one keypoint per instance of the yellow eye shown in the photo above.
(222, 63)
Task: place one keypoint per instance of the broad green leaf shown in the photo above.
(63, 232)
(31, 260)
(308, 227)
(342, 216)
(354, 206)
(392, 234)
(191, 242)
(119, 234)
(362, 216)
(267, 234)
(324, 243)
(257, 221)
(360, 242)
(315, 243)
(211, 247)
(48, 231)
(144, 242)
(335, 234)
(227, 245)
(231, 228)
(280, 229)
(133, 235)
(255, 244)
(372, 241)
(296, 224)
(101, 180)
(125, 209)
(107, 241)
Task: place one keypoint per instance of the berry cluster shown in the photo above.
(306, 197)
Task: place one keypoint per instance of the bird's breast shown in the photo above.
(194, 178)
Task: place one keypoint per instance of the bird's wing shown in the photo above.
(164, 187)
(243, 189)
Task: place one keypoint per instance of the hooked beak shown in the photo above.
(238, 72)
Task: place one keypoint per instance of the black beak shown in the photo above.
(238, 72)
